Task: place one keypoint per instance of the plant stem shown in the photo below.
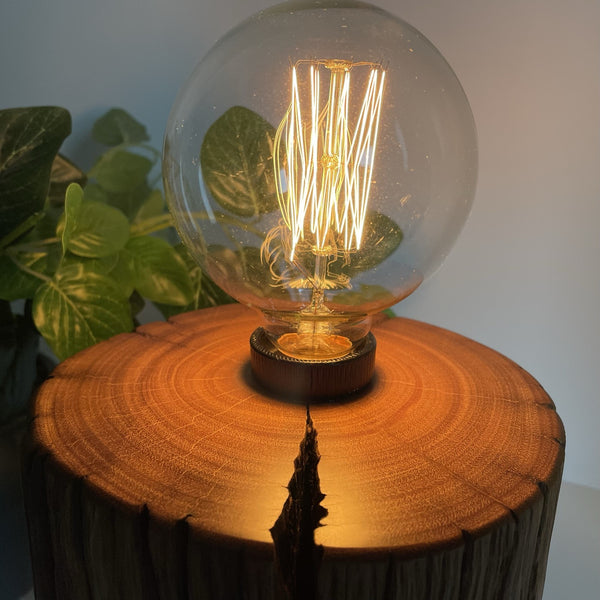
(33, 246)
(151, 225)
(164, 221)
(149, 148)
(21, 229)
(27, 270)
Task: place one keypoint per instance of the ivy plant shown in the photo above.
(81, 253)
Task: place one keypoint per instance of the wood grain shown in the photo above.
(157, 467)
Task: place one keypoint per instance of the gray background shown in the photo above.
(524, 276)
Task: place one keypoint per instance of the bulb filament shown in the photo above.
(324, 184)
(323, 156)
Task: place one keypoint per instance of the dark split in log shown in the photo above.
(297, 556)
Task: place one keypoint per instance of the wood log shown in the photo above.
(157, 466)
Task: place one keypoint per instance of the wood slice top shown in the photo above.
(450, 437)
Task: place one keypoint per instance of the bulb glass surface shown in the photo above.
(320, 163)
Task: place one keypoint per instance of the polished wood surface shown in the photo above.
(448, 464)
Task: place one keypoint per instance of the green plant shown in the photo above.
(82, 253)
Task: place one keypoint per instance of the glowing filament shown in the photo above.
(325, 184)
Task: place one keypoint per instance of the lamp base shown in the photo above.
(151, 449)
(300, 380)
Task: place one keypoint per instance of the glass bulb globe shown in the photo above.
(319, 164)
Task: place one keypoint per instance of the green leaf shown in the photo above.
(92, 229)
(65, 228)
(153, 206)
(63, 173)
(122, 271)
(130, 201)
(22, 230)
(206, 293)
(43, 239)
(117, 266)
(16, 283)
(245, 264)
(92, 191)
(80, 307)
(118, 127)
(237, 165)
(381, 237)
(120, 171)
(46, 227)
(29, 141)
(159, 273)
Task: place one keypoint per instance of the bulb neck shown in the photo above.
(316, 333)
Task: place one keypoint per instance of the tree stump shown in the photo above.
(156, 468)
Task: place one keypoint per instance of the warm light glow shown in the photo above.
(324, 184)
(323, 154)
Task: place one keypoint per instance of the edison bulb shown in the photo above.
(319, 164)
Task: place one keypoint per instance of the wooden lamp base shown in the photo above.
(157, 466)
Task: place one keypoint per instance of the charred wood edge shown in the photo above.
(297, 556)
(86, 544)
(550, 491)
(181, 545)
(34, 492)
(220, 566)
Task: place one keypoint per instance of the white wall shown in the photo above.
(524, 277)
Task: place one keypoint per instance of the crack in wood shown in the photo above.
(297, 556)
